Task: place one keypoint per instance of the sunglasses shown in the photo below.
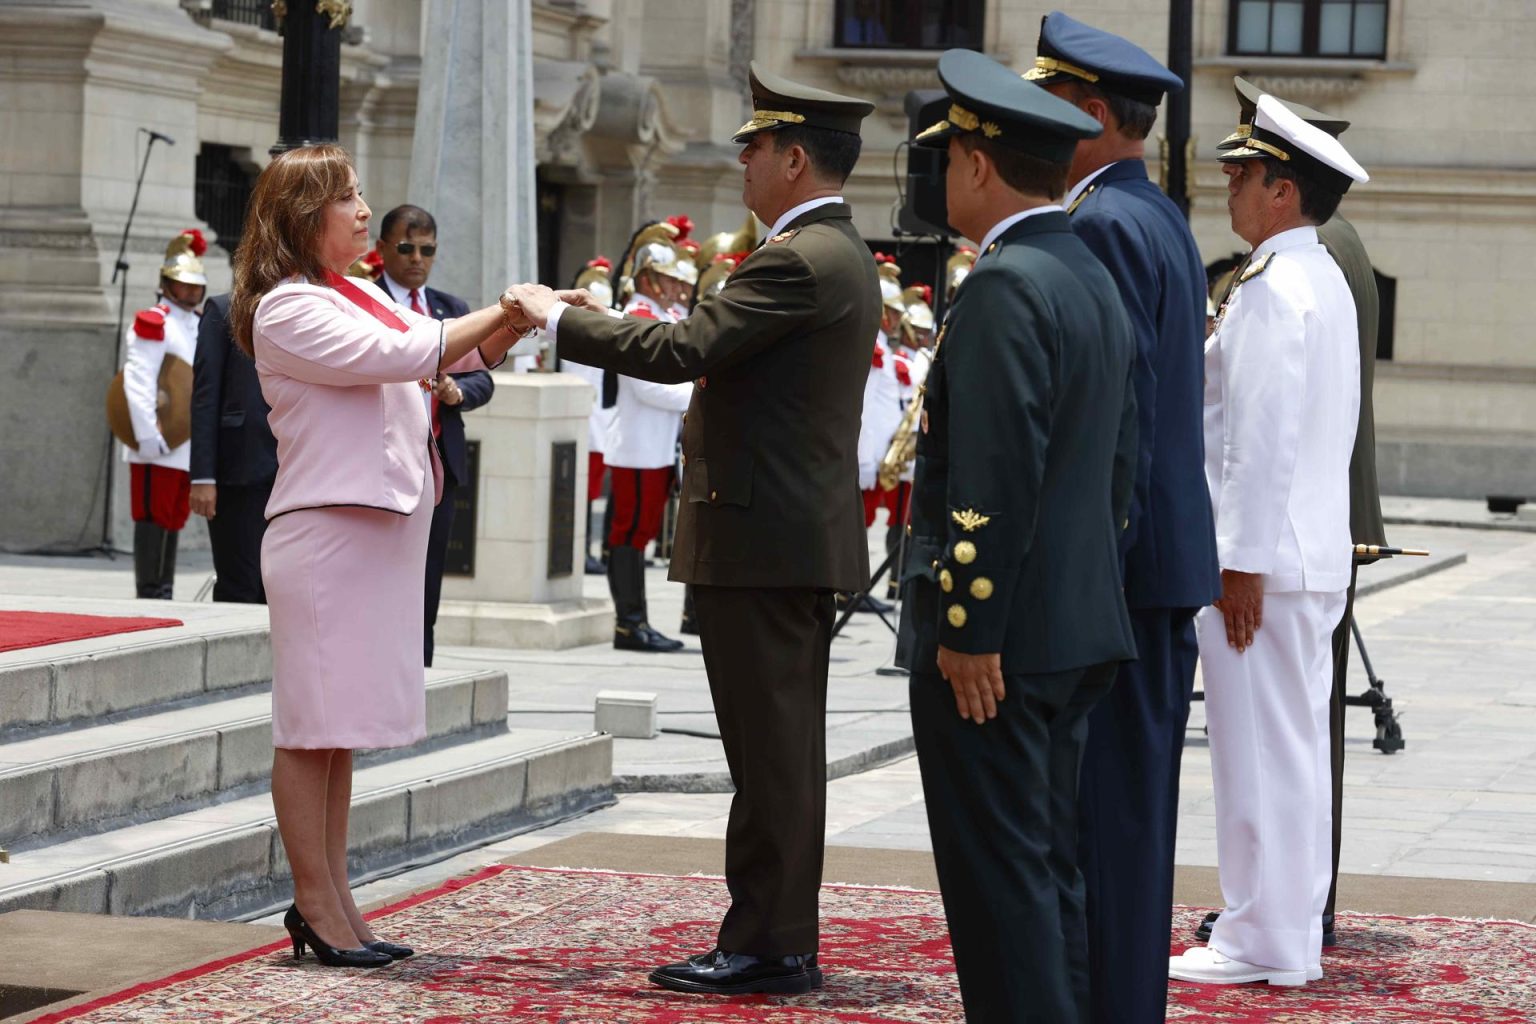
(409, 249)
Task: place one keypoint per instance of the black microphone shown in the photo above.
(159, 135)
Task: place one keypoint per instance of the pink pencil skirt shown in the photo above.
(345, 590)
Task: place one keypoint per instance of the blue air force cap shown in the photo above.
(990, 100)
(1070, 51)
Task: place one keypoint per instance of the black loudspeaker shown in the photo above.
(925, 211)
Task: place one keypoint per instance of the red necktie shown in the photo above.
(437, 425)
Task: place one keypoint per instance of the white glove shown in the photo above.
(152, 447)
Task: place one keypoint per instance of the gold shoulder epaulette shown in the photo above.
(786, 236)
(1256, 268)
(1084, 194)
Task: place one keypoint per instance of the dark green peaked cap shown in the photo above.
(989, 100)
(1248, 101)
(777, 103)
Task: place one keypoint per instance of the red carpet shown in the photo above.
(528, 944)
(36, 629)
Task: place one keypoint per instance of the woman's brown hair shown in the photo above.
(282, 228)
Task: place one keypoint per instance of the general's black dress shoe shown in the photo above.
(734, 974)
(1203, 933)
(642, 637)
(595, 566)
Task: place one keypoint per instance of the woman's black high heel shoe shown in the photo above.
(390, 949)
(302, 934)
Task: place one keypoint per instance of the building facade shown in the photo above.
(633, 105)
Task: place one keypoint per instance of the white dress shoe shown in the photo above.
(1206, 966)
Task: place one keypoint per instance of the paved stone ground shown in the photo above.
(1456, 649)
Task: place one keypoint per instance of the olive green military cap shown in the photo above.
(779, 103)
(1248, 101)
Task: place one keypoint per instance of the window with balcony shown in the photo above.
(1308, 28)
(908, 24)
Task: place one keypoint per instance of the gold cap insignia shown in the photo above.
(770, 119)
(970, 520)
(1046, 67)
(956, 616)
(946, 581)
(965, 552)
(981, 588)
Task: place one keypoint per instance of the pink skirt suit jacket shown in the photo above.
(344, 556)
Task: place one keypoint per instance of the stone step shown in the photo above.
(115, 677)
(63, 784)
(226, 860)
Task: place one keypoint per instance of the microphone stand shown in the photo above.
(120, 270)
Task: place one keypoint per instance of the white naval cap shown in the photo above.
(1284, 135)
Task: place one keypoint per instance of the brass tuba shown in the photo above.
(903, 448)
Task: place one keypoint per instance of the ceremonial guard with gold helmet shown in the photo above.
(641, 446)
(910, 357)
(596, 278)
(150, 408)
(770, 523)
(882, 391)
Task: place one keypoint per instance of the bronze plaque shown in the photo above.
(459, 560)
(562, 509)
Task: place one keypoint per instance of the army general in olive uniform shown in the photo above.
(1024, 476)
(771, 521)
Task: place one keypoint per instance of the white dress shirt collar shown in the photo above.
(399, 292)
(789, 215)
(1304, 235)
(1082, 186)
(1010, 221)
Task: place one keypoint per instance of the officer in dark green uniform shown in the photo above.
(1343, 243)
(1024, 476)
(771, 521)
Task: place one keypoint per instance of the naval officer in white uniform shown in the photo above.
(1282, 395)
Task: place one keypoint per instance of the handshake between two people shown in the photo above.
(527, 306)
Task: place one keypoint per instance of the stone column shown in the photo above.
(473, 160)
(513, 599)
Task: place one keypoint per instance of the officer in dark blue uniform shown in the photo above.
(1129, 793)
(1024, 475)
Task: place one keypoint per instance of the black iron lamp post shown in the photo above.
(311, 97)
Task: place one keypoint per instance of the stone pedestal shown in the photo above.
(513, 599)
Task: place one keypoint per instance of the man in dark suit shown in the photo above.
(234, 456)
(1343, 243)
(771, 521)
(407, 247)
(1015, 584)
(1129, 791)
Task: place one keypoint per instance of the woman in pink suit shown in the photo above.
(344, 370)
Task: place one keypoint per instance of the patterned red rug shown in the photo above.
(537, 945)
(36, 629)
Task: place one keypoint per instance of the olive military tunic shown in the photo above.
(771, 522)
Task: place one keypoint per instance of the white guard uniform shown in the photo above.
(881, 415)
(141, 384)
(1282, 396)
(646, 416)
(599, 420)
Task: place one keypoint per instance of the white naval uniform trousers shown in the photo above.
(1282, 396)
